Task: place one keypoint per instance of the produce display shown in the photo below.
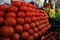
(22, 21)
(51, 36)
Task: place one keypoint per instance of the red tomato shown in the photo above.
(40, 33)
(6, 31)
(16, 37)
(33, 19)
(30, 9)
(26, 27)
(43, 31)
(10, 21)
(35, 29)
(33, 14)
(19, 28)
(16, 3)
(23, 8)
(31, 32)
(21, 14)
(3, 7)
(23, 4)
(30, 38)
(5, 38)
(38, 18)
(20, 21)
(37, 14)
(35, 35)
(11, 14)
(1, 20)
(32, 25)
(38, 10)
(28, 14)
(40, 28)
(2, 13)
(12, 8)
(37, 23)
(28, 20)
(30, 5)
(25, 35)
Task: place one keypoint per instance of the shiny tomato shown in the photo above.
(35, 35)
(33, 19)
(2, 13)
(16, 3)
(11, 14)
(10, 21)
(30, 38)
(1, 20)
(35, 29)
(31, 31)
(20, 21)
(21, 14)
(25, 35)
(6, 31)
(26, 27)
(19, 28)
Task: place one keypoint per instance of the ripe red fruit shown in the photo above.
(30, 38)
(26, 27)
(33, 14)
(31, 32)
(16, 3)
(10, 21)
(35, 29)
(19, 28)
(1, 20)
(37, 23)
(5, 38)
(32, 25)
(20, 21)
(40, 33)
(28, 14)
(12, 8)
(23, 8)
(3, 7)
(21, 14)
(6, 31)
(28, 20)
(38, 18)
(25, 35)
(37, 14)
(33, 19)
(11, 14)
(39, 28)
(23, 4)
(30, 5)
(43, 31)
(46, 28)
(2, 13)
(16, 37)
(35, 35)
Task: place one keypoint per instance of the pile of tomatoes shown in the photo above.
(22, 21)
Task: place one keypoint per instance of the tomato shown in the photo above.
(20, 21)
(33, 19)
(28, 20)
(35, 29)
(38, 18)
(43, 31)
(11, 14)
(10, 21)
(16, 36)
(23, 4)
(33, 14)
(19, 28)
(25, 35)
(30, 5)
(26, 27)
(35, 35)
(37, 14)
(28, 14)
(1, 20)
(12, 8)
(3, 38)
(2, 13)
(16, 3)
(32, 25)
(30, 38)
(37, 23)
(3, 7)
(6, 31)
(31, 32)
(21, 14)
(40, 33)
(40, 28)
(23, 8)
